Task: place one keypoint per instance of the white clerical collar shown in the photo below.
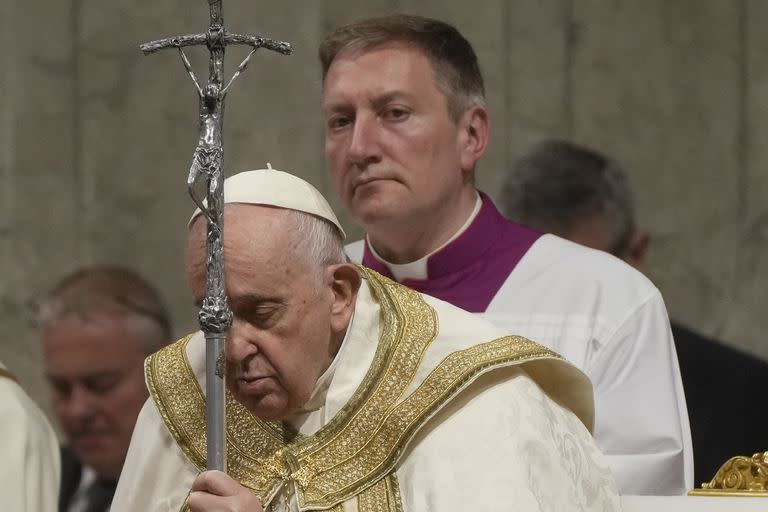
(317, 398)
(79, 500)
(418, 269)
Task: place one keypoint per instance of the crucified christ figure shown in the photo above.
(209, 154)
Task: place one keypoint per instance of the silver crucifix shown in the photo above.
(207, 173)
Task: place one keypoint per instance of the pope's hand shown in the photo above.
(214, 491)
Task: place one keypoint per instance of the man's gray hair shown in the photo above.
(559, 184)
(106, 292)
(318, 240)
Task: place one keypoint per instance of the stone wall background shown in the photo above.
(95, 139)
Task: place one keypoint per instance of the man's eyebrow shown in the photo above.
(382, 100)
(255, 297)
(91, 375)
(102, 374)
(378, 101)
(335, 106)
(248, 298)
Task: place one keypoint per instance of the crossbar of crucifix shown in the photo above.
(229, 40)
(215, 317)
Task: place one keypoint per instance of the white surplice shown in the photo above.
(31, 466)
(499, 443)
(610, 321)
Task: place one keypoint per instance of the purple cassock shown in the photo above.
(469, 271)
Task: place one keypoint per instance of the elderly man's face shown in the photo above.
(391, 146)
(95, 372)
(283, 336)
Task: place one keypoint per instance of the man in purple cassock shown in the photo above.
(405, 125)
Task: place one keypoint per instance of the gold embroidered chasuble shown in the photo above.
(354, 455)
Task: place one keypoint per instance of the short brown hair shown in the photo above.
(559, 184)
(453, 60)
(101, 291)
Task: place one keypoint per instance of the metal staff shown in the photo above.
(215, 317)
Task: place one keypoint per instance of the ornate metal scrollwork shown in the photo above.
(739, 476)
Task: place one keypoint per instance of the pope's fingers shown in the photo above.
(201, 501)
(217, 483)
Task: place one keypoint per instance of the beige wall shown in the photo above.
(95, 139)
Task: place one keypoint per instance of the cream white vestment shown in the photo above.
(610, 321)
(30, 469)
(425, 408)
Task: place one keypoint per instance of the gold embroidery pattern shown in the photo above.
(181, 404)
(384, 496)
(249, 440)
(353, 454)
(384, 447)
(332, 468)
(374, 498)
(185, 505)
(393, 488)
(178, 398)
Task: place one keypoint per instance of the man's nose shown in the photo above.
(240, 341)
(364, 145)
(78, 406)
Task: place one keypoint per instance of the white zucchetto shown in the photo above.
(271, 187)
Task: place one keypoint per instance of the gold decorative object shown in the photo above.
(739, 476)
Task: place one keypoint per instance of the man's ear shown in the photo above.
(345, 282)
(475, 126)
(638, 250)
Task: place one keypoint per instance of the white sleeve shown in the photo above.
(641, 419)
(156, 476)
(31, 467)
(502, 446)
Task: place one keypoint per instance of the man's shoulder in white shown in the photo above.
(577, 267)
